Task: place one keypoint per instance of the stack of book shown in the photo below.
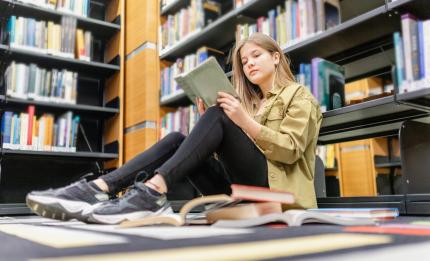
(47, 37)
(26, 131)
(32, 82)
(294, 21)
(78, 7)
(188, 20)
(168, 85)
(183, 120)
(412, 52)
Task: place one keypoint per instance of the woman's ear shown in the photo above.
(276, 58)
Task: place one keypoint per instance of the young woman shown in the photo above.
(268, 139)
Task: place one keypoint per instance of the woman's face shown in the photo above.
(258, 64)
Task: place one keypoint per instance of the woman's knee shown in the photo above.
(175, 137)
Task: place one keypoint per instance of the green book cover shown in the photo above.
(331, 85)
(205, 81)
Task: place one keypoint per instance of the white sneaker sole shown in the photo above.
(61, 209)
(118, 218)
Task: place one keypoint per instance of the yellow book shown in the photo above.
(80, 44)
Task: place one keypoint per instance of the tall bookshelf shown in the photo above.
(362, 43)
(99, 104)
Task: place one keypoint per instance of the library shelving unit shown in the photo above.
(98, 105)
(363, 44)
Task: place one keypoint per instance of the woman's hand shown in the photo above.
(234, 110)
(200, 106)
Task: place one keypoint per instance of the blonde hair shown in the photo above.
(249, 93)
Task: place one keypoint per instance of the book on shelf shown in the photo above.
(292, 21)
(26, 131)
(326, 81)
(412, 54)
(63, 39)
(168, 84)
(328, 84)
(77, 7)
(367, 213)
(293, 217)
(35, 83)
(182, 120)
(205, 81)
(189, 20)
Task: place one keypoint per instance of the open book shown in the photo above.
(223, 207)
(294, 218)
(215, 201)
(205, 81)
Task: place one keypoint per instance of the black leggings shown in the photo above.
(177, 156)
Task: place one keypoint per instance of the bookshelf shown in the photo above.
(362, 43)
(99, 104)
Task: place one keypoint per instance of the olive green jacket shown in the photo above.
(291, 120)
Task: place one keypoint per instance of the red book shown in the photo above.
(31, 110)
(254, 193)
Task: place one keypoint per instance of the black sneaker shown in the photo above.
(74, 201)
(139, 202)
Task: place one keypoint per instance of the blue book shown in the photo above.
(16, 129)
(6, 125)
(398, 51)
(293, 18)
(421, 43)
(10, 28)
(31, 32)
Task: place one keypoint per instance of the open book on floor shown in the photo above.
(224, 207)
(293, 218)
(374, 213)
(220, 207)
(205, 81)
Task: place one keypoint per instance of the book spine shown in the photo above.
(31, 110)
(398, 48)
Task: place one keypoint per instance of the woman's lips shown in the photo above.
(253, 72)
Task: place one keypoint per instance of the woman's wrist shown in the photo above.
(252, 127)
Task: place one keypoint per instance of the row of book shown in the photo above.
(195, 17)
(77, 7)
(28, 81)
(412, 53)
(169, 87)
(48, 37)
(327, 155)
(293, 21)
(326, 80)
(182, 120)
(26, 131)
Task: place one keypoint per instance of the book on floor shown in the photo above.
(205, 81)
(182, 218)
(264, 201)
(294, 217)
(254, 193)
(373, 213)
